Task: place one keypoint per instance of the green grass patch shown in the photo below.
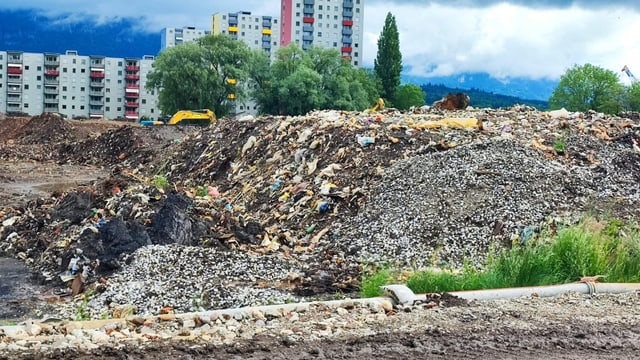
(590, 248)
(160, 181)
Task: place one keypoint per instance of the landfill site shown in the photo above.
(151, 233)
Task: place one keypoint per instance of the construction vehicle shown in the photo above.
(626, 70)
(203, 117)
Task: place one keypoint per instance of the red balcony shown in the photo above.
(131, 114)
(132, 68)
(132, 86)
(346, 49)
(132, 77)
(52, 72)
(14, 70)
(133, 95)
(347, 22)
(97, 75)
(307, 20)
(131, 104)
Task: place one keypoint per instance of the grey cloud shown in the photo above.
(535, 4)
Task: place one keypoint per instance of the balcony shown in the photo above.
(131, 104)
(14, 89)
(132, 95)
(51, 62)
(14, 79)
(51, 81)
(266, 45)
(132, 86)
(307, 37)
(346, 40)
(52, 72)
(16, 99)
(14, 108)
(233, 29)
(97, 84)
(347, 13)
(51, 108)
(132, 68)
(307, 28)
(132, 77)
(347, 22)
(347, 3)
(50, 90)
(14, 70)
(131, 114)
(97, 75)
(308, 2)
(96, 93)
(96, 102)
(266, 23)
(54, 101)
(266, 32)
(307, 20)
(346, 49)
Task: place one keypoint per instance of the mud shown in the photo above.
(19, 292)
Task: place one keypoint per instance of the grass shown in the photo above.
(160, 181)
(559, 145)
(590, 248)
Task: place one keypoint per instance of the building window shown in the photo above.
(119, 63)
(144, 101)
(82, 71)
(119, 72)
(119, 99)
(319, 33)
(39, 87)
(107, 100)
(26, 105)
(119, 109)
(82, 88)
(73, 70)
(26, 67)
(64, 106)
(152, 111)
(83, 61)
(74, 61)
(64, 97)
(108, 90)
(355, 54)
(357, 10)
(39, 68)
(319, 7)
(73, 107)
(81, 107)
(355, 63)
(38, 77)
(119, 81)
(275, 21)
(106, 108)
(26, 86)
(64, 70)
(335, 44)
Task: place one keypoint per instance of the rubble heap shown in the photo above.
(308, 199)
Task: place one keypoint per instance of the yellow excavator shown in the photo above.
(202, 117)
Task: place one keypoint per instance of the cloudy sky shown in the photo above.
(536, 39)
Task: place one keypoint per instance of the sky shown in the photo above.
(519, 38)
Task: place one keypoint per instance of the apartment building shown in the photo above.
(258, 32)
(175, 36)
(75, 85)
(337, 24)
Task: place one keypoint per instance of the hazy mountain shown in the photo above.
(30, 31)
(519, 87)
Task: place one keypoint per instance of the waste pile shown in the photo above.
(273, 209)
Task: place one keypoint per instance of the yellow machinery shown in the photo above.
(203, 117)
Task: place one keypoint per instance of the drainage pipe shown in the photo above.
(544, 291)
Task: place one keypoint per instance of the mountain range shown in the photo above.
(32, 31)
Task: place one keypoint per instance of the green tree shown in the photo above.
(200, 74)
(388, 62)
(298, 82)
(588, 87)
(409, 95)
(633, 97)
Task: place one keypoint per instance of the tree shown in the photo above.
(409, 95)
(588, 87)
(200, 74)
(388, 62)
(298, 82)
(633, 97)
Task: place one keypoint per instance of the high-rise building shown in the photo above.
(175, 36)
(75, 85)
(326, 23)
(258, 32)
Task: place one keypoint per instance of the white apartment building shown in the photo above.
(337, 24)
(175, 36)
(258, 32)
(75, 85)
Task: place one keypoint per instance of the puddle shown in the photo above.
(18, 292)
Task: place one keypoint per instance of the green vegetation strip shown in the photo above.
(610, 248)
